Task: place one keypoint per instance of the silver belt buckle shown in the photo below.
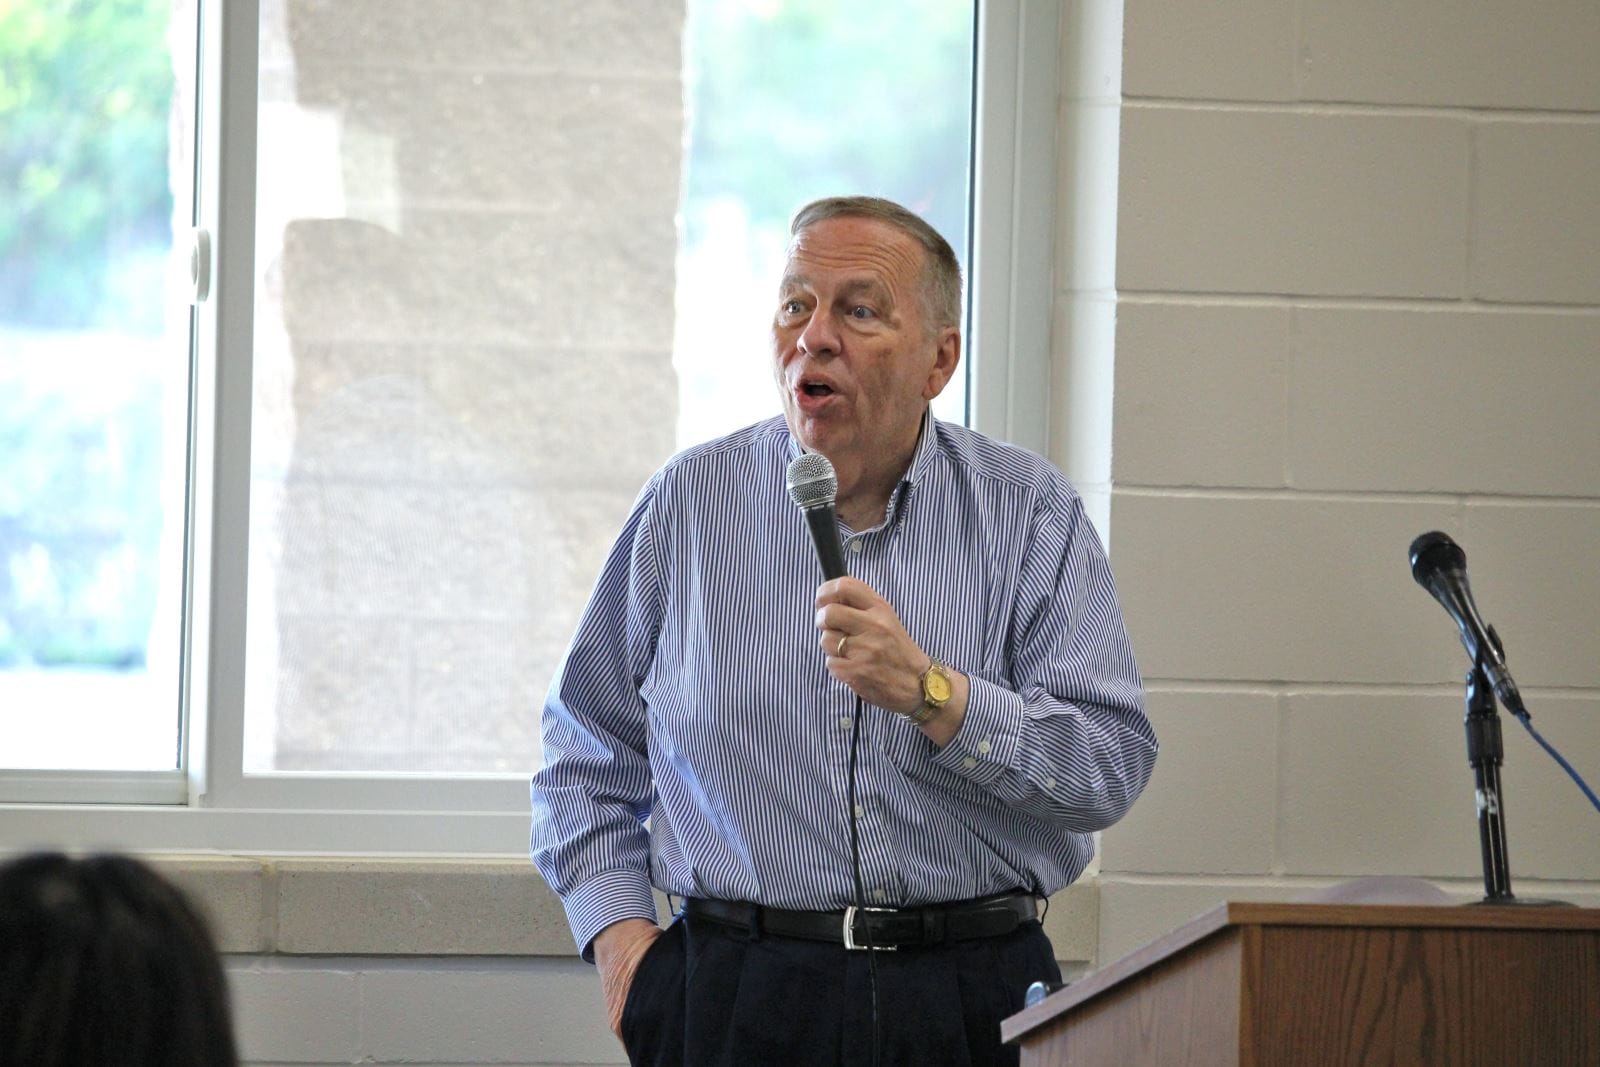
(850, 931)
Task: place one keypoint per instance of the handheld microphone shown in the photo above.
(814, 487)
(1440, 567)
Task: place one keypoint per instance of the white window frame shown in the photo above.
(213, 805)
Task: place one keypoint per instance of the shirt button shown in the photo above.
(878, 894)
(844, 722)
(969, 763)
(984, 746)
(1049, 783)
(860, 811)
(855, 546)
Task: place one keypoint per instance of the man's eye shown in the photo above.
(861, 311)
(791, 307)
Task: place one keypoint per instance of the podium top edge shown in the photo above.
(1258, 914)
(1435, 916)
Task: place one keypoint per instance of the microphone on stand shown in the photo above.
(1440, 567)
(814, 487)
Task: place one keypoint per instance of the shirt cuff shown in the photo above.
(607, 898)
(986, 742)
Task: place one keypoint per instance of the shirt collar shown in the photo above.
(921, 457)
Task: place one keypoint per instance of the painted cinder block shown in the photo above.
(1072, 922)
(1380, 784)
(295, 1011)
(1277, 588)
(1134, 912)
(1493, 54)
(487, 1012)
(1222, 200)
(1535, 579)
(1212, 804)
(1376, 784)
(1201, 51)
(1549, 823)
(1453, 400)
(1200, 394)
(1536, 215)
(485, 908)
(233, 893)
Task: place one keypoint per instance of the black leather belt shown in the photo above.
(879, 928)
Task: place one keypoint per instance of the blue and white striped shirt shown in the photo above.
(695, 693)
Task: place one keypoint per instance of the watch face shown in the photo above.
(936, 687)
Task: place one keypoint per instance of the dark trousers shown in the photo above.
(706, 994)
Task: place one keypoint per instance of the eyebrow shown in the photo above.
(866, 285)
(851, 287)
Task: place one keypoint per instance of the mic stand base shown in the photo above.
(1519, 902)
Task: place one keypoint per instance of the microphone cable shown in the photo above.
(855, 865)
(1527, 724)
(813, 486)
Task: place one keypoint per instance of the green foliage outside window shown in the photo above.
(793, 99)
(86, 91)
(85, 101)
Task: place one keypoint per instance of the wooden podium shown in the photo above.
(1268, 984)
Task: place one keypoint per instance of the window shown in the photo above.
(468, 283)
(96, 207)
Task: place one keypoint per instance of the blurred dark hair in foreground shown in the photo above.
(103, 961)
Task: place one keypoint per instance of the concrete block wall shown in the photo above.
(467, 234)
(1357, 298)
(526, 1012)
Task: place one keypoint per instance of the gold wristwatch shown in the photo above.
(935, 692)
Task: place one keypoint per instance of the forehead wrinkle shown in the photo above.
(889, 257)
(895, 255)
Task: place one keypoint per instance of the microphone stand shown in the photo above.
(1485, 752)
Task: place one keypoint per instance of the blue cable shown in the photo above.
(1576, 777)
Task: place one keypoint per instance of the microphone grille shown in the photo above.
(1432, 553)
(812, 482)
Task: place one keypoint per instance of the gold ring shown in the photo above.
(840, 650)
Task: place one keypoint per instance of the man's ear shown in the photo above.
(947, 354)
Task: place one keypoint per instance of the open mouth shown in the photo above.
(816, 389)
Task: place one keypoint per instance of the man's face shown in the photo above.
(855, 357)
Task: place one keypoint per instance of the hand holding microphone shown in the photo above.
(867, 646)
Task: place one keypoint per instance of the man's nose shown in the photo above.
(821, 334)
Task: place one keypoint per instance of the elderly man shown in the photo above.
(857, 790)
